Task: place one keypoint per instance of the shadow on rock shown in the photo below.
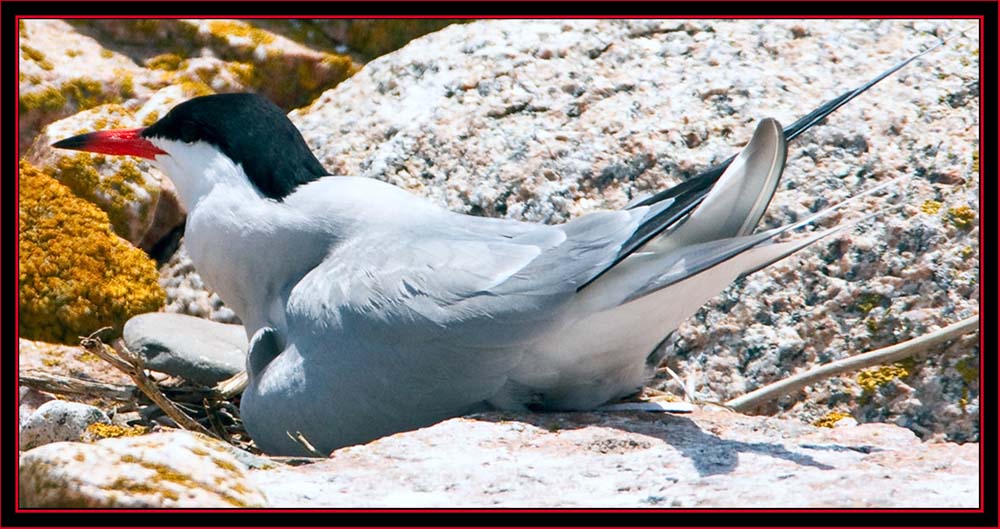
(709, 453)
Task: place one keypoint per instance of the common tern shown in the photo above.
(371, 311)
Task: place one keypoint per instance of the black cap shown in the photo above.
(252, 131)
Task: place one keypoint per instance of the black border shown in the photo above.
(507, 517)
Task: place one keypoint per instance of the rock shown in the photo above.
(127, 188)
(628, 460)
(63, 72)
(76, 275)
(188, 294)
(196, 349)
(161, 470)
(28, 401)
(547, 120)
(66, 360)
(58, 420)
(242, 56)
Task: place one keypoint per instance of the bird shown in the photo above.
(371, 311)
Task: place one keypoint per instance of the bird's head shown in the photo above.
(233, 139)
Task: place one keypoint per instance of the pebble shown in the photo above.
(58, 420)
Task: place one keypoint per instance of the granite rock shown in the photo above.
(161, 470)
(634, 460)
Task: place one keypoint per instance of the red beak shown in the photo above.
(117, 142)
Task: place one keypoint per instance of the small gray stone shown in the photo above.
(58, 420)
(28, 402)
(196, 349)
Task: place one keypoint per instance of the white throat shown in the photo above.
(198, 168)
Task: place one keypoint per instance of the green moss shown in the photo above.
(872, 379)
(930, 207)
(830, 419)
(76, 276)
(962, 217)
(36, 56)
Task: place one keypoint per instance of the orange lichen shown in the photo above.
(75, 274)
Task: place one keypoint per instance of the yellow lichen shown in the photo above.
(22, 29)
(375, 37)
(104, 431)
(114, 192)
(966, 252)
(224, 464)
(73, 53)
(962, 217)
(167, 61)
(126, 87)
(107, 54)
(225, 28)
(48, 100)
(82, 92)
(166, 473)
(75, 275)
(196, 88)
(930, 207)
(869, 301)
(37, 56)
(968, 368)
(975, 161)
(830, 419)
(871, 379)
(150, 118)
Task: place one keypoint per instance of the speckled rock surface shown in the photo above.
(195, 349)
(28, 400)
(706, 459)
(63, 72)
(547, 120)
(68, 360)
(58, 420)
(188, 294)
(176, 469)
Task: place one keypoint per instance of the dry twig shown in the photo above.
(65, 385)
(885, 355)
(132, 365)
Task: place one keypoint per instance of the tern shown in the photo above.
(371, 311)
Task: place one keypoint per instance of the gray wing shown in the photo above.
(415, 325)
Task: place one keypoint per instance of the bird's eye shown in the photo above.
(189, 132)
